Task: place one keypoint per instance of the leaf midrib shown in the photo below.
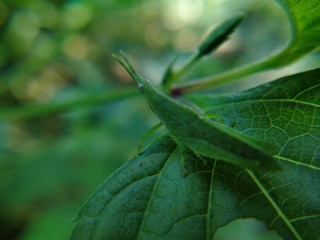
(208, 237)
(275, 206)
(106, 205)
(153, 191)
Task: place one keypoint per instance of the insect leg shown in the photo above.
(147, 134)
(182, 150)
(204, 162)
(182, 160)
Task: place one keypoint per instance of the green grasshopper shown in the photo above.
(202, 136)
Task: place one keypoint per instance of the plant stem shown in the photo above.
(39, 110)
(189, 63)
(231, 76)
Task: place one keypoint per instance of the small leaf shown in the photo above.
(214, 39)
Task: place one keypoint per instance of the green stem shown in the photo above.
(231, 76)
(214, 39)
(58, 107)
(277, 60)
(175, 75)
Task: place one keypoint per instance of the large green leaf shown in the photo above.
(286, 112)
(150, 198)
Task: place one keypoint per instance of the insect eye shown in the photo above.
(141, 87)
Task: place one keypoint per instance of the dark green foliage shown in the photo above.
(169, 204)
(66, 122)
(202, 136)
(196, 205)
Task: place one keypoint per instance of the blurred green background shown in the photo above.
(60, 137)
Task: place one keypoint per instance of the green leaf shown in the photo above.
(124, 197)
(286, 112)
(150, 198)
(304, 19)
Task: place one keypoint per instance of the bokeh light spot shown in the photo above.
(76, 16)
(76, 46)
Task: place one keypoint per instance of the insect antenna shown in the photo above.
(125, 65)
(132, 69)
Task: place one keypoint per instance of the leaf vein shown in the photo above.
(209, 201)
(306, 90)
(262, 101)
(153, 192)
(305, 217)
(274, 205)
(299, 163)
